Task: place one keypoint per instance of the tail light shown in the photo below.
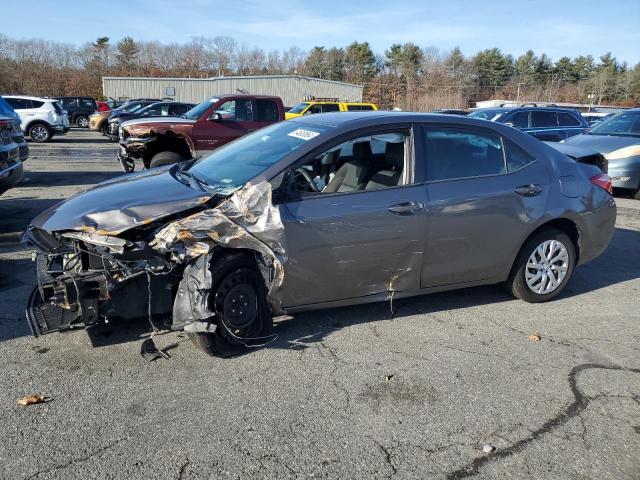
(5, 124)
(603, 181)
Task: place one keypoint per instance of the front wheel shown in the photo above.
(543, 267)
(165, 158)
(238, 298)
(82, 121)
(40, 133)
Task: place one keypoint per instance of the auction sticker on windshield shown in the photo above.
(303, 134)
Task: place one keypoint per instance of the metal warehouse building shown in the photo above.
(291, 88)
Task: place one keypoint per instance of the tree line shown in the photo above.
(405, 75)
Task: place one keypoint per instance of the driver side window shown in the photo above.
(370, 162)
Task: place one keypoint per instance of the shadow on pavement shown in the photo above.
(67, 178)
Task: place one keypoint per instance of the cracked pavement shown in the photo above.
(344, 393)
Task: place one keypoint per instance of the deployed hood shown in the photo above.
(601, 143)
(572, 150)
(122, 203)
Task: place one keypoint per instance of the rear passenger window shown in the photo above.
(461, 153)
(330, 107)
(519, 119)
(267, 111)
(544, 119)
(568, 120)
(36, 104)
(356, 108)
(17, 103)
(516, 156)
(87, 103)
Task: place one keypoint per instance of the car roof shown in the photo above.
(29, 97)
(382, 117)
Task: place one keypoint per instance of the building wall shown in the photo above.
(290, 88)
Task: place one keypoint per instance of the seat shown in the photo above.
(390, 175)
(354, 174)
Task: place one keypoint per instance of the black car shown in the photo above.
(17, 135)
(11, 170)
(550, 124)
(79, 109)
(159, 109)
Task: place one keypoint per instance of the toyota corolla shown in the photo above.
(316, 212)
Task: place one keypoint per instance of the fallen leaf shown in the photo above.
(535, 337)
(32, 400)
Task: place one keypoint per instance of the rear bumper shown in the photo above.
(596, 231)
(11, 176)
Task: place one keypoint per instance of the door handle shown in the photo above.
(406, 208)
(530, 190)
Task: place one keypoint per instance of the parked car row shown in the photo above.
(13, 147)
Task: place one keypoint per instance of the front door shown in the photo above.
(358, 226)
(235, 119)
(484, 194)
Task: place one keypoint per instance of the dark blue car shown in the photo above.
(550, 124)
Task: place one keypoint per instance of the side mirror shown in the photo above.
(215, 117)
(510, 124)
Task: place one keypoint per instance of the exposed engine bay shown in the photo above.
(158, 269)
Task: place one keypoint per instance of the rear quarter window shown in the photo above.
(517, 158)
(356, 108)
(568, 120)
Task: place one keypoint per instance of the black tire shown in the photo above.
(104, 129)
(516, 284)
(40, 132)
(236, 281)
(165, 158)
(636, 195)
(82, 121)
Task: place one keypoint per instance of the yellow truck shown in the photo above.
(325, 105)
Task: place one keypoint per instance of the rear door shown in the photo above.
(265, 112)
(235, 120)
(570, 125)
(357, 242)
(545, 127)
(484, 193)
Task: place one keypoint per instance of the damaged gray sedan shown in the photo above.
(317, 212)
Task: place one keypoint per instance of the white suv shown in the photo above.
(42, 118)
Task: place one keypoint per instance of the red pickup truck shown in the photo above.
(207, 126)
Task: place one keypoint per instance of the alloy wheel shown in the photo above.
(39, 133)
(547, 267)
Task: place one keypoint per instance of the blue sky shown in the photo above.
(559, 27)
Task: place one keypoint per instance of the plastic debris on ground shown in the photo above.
(32, 400)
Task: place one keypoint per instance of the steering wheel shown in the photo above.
(308, 179)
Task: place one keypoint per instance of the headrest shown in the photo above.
(362, 151)
(394, 155)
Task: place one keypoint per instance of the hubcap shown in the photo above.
(83, 122)
(39, 133)
(547, 267)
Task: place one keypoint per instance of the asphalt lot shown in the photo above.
(347, 393)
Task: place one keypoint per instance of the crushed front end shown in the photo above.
(85, 278)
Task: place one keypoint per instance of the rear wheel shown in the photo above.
(40, 133)
(637, 194)
(82, 121)
(239, 300)
(543, 267)
(165, 158)
(104, 129)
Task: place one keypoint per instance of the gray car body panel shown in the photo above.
(347, 248)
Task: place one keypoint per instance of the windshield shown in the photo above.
(197, 111)
(232, 165)
(623, 124)
(299, 107)
(491, 114)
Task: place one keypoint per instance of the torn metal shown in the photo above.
(246, 220)
(158, 270)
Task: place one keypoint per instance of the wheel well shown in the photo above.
(564, 225)
(37, 122)
(165, 143)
